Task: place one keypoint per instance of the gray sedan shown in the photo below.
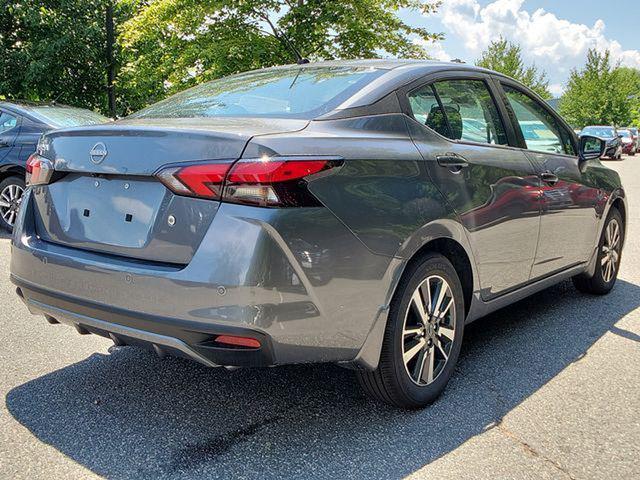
(358, 212)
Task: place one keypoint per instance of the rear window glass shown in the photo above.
(66, 116)
(606, 132)
(297, 92)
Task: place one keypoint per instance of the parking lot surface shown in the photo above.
(546, 388)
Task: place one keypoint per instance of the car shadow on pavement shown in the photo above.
(129, 414)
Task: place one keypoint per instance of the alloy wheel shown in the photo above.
(10, 199)
(610, 250)
(429, 330)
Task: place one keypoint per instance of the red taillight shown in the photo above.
(267, 172)
(269, 182)
(39, 170)
(246, 342)
(203, 181)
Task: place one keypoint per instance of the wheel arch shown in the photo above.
(11, 170)
(448, 239)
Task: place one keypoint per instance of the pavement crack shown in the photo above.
(196, 454)
(531, 450)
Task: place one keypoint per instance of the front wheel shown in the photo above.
(11, 191)
(608, 260)
(422, 338)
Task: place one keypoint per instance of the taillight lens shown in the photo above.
(267, 182)
(204, 181)
(39, 170)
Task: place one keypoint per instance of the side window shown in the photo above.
(539, 128)
(471, 112)
(459, 110)
(7, 122)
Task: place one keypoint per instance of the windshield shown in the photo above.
(624, 133)
(66, 116)
(606, 132)
(297, 92)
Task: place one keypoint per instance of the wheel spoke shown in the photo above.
(439, 345)
(419, 366)
(442, 291)
(12, 217)
(413, 351)
(427, 371)
(446, 332)
(444, 312)
(411, 331)
(416, 299)
(4, 204)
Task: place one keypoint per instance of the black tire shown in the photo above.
(14, 181)
(598, 284)
(391, 382)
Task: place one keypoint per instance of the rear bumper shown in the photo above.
(164, 335)
(297, 280)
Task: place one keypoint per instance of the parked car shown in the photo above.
(610, 135)
(333, 212)
(21, 124)
(628, 142)
(636, 137)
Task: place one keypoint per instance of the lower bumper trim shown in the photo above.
(80, 322)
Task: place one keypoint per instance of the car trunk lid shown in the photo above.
(109, 200)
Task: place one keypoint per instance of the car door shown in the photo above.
(9, 126)
(461, 133)
(568, 221)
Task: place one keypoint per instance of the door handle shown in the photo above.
(549, 178)
(453, 162)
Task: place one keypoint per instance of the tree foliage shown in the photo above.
(171, 44)
(506, 57)
(601, 93)
(55, 50)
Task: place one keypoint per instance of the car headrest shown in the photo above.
(436, 121)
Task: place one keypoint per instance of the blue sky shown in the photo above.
(555, 35)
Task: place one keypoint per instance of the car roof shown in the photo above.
(399, 72)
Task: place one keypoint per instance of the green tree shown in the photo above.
(172, 44)
(601, 93)
(506, 57)
(54, 50)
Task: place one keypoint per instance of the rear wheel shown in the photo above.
(422, 338)
(608, 261)
(11, 191)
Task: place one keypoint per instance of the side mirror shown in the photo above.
(591, 148)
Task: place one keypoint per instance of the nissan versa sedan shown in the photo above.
(21, 124)
(358, 212)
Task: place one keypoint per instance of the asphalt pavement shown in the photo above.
(546, 388)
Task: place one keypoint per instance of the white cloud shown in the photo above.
(556, 89)
(435, 50)
(555, 44)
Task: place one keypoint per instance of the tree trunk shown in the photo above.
(111, 68)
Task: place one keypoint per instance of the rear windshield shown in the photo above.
(66, 116)
(606, 132)
(296, 92)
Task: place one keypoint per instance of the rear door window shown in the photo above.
(459, 110)
(540, 129)
(7, 121)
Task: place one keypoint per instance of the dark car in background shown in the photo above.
(21, 125)
(628, 142)
(355, 212)
(610, 135)
(636, 137)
